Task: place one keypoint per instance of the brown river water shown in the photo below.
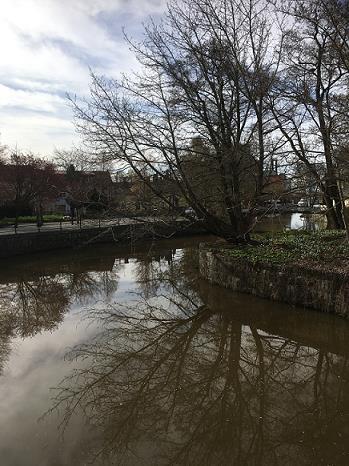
(119, 356)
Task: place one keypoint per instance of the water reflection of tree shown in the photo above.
(84, 285)
(152, 270)
(196, 386)
(28, 307)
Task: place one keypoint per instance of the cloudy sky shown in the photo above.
(47, 47)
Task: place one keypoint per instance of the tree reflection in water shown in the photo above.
(31, 305)
(176, 378)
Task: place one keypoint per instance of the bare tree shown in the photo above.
(336, 16)
(65, 158)
(306, 105)
(207, 69)
(83, 159)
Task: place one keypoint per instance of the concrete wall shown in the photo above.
(324, 291)
(14, 245)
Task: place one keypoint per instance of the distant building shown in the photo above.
(83, 191)
(276, 187)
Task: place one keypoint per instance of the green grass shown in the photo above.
(31, 219)
(284, 248)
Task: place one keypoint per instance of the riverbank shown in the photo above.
(24, 243)
(309, 270)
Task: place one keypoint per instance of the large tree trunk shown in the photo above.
(335, 220)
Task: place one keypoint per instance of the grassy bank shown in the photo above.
(323, 248)
(298, 268)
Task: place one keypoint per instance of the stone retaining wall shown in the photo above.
(23, 243)
(324, 291)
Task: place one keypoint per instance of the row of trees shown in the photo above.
(253, 81)
(29, 183)
(26, 183)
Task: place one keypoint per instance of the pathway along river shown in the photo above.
(116, 357)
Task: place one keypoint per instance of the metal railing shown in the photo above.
(65, 225)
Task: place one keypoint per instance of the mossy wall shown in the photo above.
(322, 290)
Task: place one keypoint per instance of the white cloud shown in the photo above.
(46, 49)
(28, 100)
(37, 133)
(138, 8)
